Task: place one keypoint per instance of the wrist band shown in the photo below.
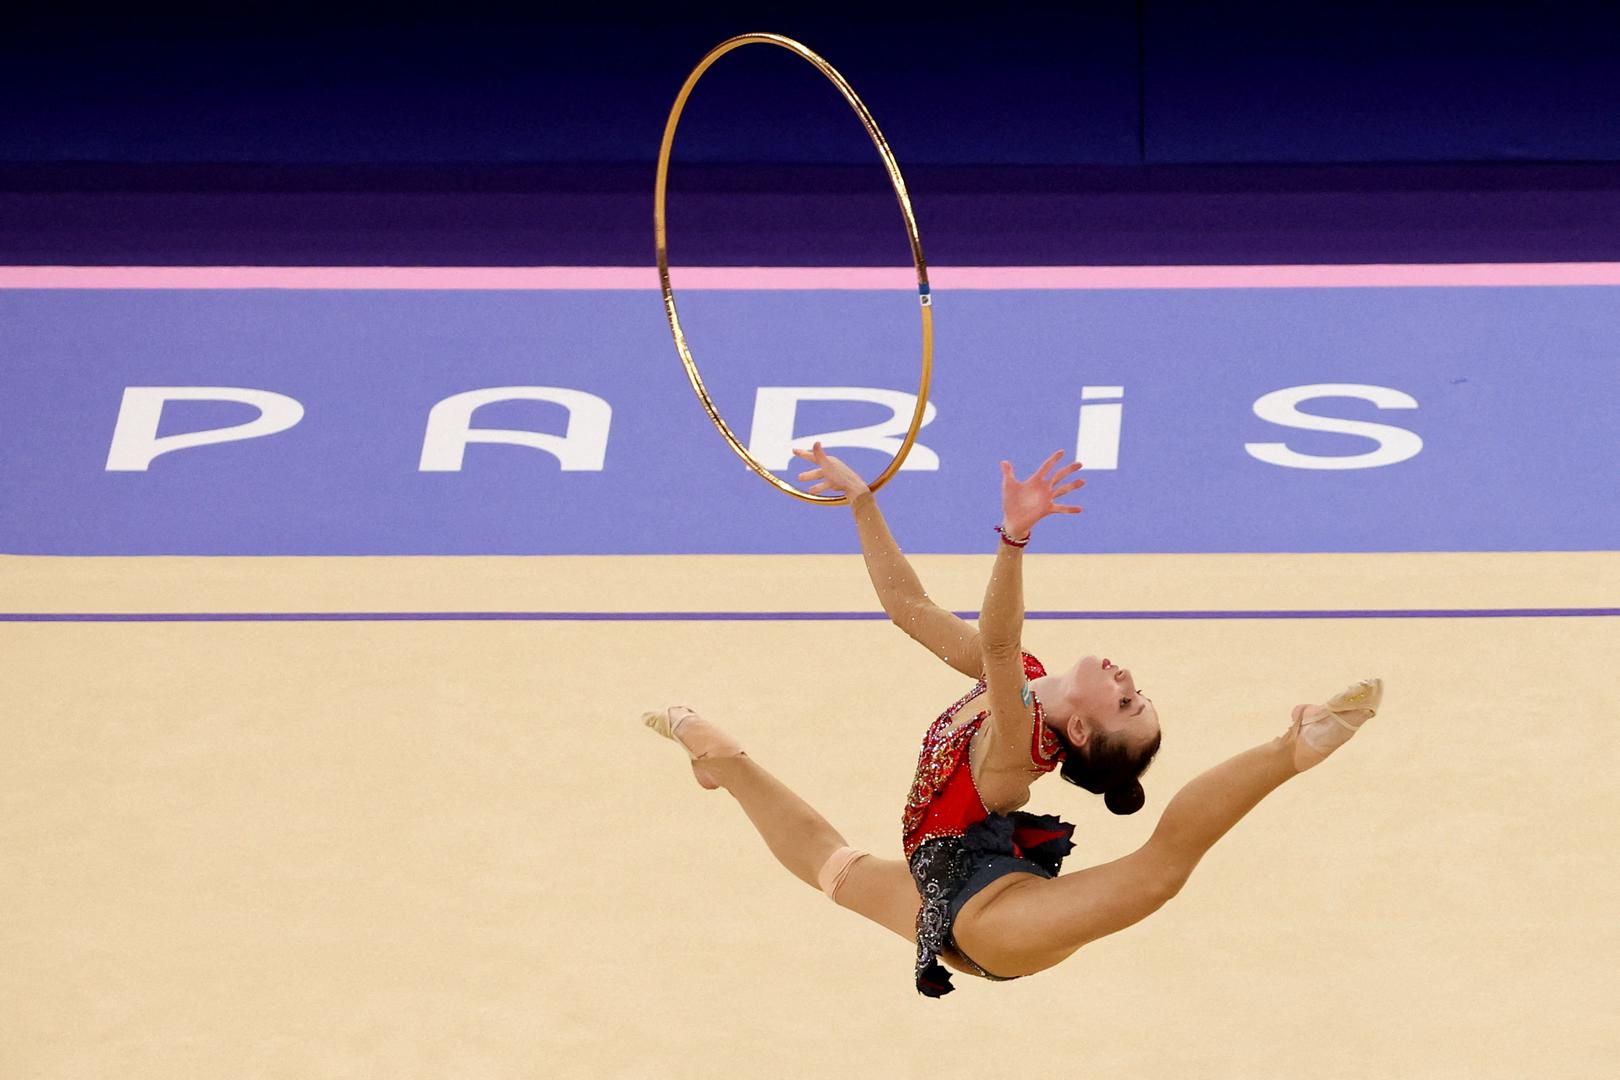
(1009, 541)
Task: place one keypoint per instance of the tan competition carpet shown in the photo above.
(448, 849)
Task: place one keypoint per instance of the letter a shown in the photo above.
(581, 448)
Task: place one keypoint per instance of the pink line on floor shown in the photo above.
(942, 278)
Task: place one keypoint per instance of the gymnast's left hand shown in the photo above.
(1024, 502)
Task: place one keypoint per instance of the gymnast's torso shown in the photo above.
(965, 839)
(953, 787)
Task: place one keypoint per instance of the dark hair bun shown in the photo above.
(1126, 800)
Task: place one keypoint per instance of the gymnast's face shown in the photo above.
(1103, 697)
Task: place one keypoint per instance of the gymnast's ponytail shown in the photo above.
(1107, 766)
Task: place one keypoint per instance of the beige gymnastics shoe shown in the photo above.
(1322, 729)
(702, 739)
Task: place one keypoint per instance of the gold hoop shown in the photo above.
(899, 185)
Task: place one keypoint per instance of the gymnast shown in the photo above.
(979, 886)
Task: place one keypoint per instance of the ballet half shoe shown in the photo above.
(1322, 729)
(700, 738)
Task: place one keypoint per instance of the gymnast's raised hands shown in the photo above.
(1024, 502)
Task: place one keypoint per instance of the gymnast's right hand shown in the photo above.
(830, 473)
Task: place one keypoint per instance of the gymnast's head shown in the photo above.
(1110, 728)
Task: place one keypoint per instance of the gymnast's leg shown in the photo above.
(1035, 922)
(801, 839)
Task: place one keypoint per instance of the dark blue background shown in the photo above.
(1106, 82)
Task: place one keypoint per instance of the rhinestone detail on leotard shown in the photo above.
(942, 750)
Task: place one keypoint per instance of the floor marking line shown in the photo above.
(780, 616)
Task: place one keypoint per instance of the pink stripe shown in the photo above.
(792, 277)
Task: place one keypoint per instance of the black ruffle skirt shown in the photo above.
(950, 870)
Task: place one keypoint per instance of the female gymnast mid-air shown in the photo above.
(979, 885)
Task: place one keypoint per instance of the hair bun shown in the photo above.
(1126, 800)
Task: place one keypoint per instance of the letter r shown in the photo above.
(771, 439)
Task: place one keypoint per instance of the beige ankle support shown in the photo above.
(836, 869)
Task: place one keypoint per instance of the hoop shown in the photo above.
(895, 179)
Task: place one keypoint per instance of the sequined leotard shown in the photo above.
(951, 839)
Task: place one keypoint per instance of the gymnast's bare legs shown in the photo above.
(1023, 923)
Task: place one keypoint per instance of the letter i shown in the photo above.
(1097, 443)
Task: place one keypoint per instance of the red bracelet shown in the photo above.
(1009, 541)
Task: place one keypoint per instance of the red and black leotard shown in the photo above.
(955, 845)
(944, 800)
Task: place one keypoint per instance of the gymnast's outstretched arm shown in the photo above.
(1001, 619)
(898, 588)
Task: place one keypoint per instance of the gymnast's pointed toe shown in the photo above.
(661, 722)
(1364, 696)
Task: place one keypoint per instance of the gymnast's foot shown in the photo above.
(702, 739)
(1318, 730)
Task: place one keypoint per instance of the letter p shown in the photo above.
(135, 441)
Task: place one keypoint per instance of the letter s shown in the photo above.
(1279, 407)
